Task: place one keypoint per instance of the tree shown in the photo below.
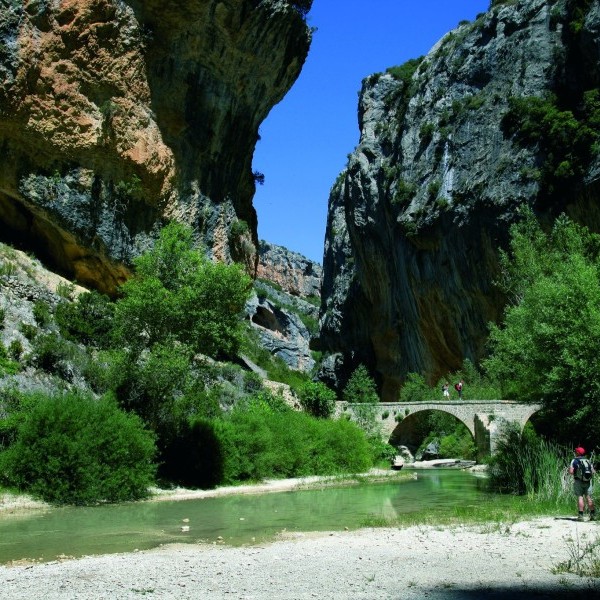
(361, 387)
(317, 399)
(362, 393)
(546, 349)
(178, 294)
(88, 319)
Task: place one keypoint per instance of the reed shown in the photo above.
(525, 464)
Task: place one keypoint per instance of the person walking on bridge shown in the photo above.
(446, 391)
(582, 470)
(459, 388)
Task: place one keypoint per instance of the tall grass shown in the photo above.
(525, 464)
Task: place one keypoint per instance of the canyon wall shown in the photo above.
(502, 112)
(119, 115)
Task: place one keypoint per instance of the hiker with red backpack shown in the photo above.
(582, 470)
(459, 388)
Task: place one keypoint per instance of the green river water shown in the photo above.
(235, 520)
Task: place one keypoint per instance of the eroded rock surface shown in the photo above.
(293, 272)
(117, 115)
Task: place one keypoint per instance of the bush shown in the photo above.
(259, 443)
(28, 330)
(458, 444)
(15, 349)
(415, 389)
(195, 456)
(41, 313)
(7, 366)
(72, 449)
(87, 320)
(317, 399)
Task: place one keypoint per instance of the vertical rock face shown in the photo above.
(443, 165)
(117, 115)
(284, 310)
(294, 273)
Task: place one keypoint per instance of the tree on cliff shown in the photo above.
(179, 295)
(179, 304)
(546, 350)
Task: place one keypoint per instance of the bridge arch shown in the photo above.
(483, 418)
(412, 429)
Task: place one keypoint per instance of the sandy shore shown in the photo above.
(495, 561)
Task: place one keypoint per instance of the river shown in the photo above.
(234, 519)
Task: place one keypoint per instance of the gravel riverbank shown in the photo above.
(492, 562)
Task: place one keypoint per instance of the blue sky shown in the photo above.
(307, 137)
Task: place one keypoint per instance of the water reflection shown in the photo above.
(236, 519)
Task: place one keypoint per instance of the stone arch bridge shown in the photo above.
(483, 418)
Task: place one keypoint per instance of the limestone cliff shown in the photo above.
(117, 115)
(294, 273)
(502, 112)
(284, 310)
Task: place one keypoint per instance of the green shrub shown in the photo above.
(2, 316)
(317, 399)
(65, 290)
(41, 313)
(404, 193)
(238, 228)
(88, 319)
(28, 330)
(130, 189)
(259, 443)
(15, 349)
(50, 353)
(360, 387)
(433, 189)
(14, 405)
(7, 366)
(566, 138)
(415, 389)
(7, 268)
(148, 384)
(459, 444)
(195, 456)
(405, 71)
(72, 449)
(426, 134)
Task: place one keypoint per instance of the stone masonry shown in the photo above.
(483, 418)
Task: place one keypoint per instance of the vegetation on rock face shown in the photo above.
(567, 140)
